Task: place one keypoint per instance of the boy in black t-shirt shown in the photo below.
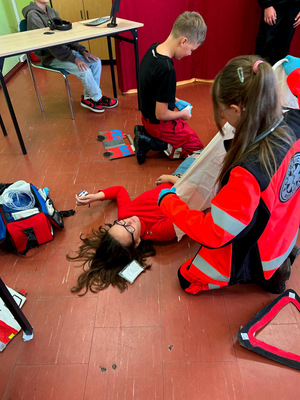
(165, 124)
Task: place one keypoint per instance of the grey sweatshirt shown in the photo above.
(36, 19)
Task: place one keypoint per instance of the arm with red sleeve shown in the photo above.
(232, 210)
(118, 193)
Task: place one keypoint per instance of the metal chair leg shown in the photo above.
(33, 80)
(69, 92)
(69, 86)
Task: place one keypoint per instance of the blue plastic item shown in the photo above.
(292, 64)
(181, 104)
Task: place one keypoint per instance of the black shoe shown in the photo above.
(277, 284)
(158, 145)
(91, 105)
(141, 144)
(139, 129)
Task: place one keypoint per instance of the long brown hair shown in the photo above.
(102, 257)
(255, 91)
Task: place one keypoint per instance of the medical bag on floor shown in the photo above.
(27, 216)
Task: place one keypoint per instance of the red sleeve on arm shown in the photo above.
(118, 193)
(232, 210)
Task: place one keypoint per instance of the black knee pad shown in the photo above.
(183, 282)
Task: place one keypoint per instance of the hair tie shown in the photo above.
(255, 66)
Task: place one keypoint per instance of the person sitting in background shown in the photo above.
(166, 126)
(74, 58)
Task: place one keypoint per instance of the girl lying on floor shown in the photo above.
(106, 251)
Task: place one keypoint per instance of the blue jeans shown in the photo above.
(184, 166)
(90, 78)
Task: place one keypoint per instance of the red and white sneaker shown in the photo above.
(107, 102)
(91, 105)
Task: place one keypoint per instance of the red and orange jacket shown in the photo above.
(252, 226)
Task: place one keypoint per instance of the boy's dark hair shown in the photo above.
(102, 257)
(191, 25)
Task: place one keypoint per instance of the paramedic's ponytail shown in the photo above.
(249, 83)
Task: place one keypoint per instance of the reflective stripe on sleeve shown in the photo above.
(209, 270)
(211, 286)
(226, 221)
(276, 262)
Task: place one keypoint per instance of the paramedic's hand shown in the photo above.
(89, 198)
(270, 16)
(82, 66)
(165, 192)
(89, 56)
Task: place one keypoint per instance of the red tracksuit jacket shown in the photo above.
(253, 223)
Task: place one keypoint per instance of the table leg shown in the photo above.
(3, 126)
(10, 107)
(112, 68)
(134, 41)
(14, 309)
(136, 55)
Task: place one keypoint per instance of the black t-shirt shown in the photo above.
(157, 82)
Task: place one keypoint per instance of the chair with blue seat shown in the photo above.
(62, 72)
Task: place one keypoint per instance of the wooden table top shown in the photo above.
(24, 42)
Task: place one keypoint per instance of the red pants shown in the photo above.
(177, 133)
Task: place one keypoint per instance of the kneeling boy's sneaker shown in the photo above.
(91, 105)
(107, 102)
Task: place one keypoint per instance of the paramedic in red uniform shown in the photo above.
(250, 233)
